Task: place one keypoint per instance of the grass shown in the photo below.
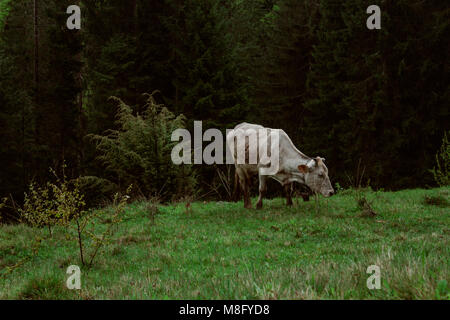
(222, 251)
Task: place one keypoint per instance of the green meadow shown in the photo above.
(319, 249)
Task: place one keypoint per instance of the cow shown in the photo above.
(293, 165)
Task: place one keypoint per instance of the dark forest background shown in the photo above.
(310, 67)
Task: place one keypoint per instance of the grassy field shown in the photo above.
(313, 250)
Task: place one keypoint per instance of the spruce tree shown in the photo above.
(378, 96)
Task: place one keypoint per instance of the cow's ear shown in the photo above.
(303, 168)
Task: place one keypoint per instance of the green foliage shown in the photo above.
(338, 188)
(4, 10)
(39, 210)
(441, 172)
(56, 203)
(61, 203)
(140, 152)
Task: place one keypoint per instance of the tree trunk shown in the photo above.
(35, 163)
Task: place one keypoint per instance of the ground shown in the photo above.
(218, 250)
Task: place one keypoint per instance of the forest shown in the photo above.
(100, 103)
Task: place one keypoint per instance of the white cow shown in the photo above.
(292, 166)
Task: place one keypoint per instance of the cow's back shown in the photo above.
(240, 129)
(247, 126)
(287, 150)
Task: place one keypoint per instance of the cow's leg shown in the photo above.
(287, 191)
(235, 195)
(246, 190)
(262, 190)
(244, 181)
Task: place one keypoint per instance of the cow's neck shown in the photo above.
(296, 158)
(294, 152)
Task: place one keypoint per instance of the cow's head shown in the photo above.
(316, 176)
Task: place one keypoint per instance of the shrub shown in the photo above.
(62, 203)
(139, 153)
(441, 172)
(53, 204)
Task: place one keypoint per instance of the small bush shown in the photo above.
(62, 203)
(338, 188)
(139, 153)
(53, 204)
(441, 172)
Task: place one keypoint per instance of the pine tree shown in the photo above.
(205, 78)
(16, 98)
(280, 78)
(341, 111)
(39, 92)
(366, 101)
